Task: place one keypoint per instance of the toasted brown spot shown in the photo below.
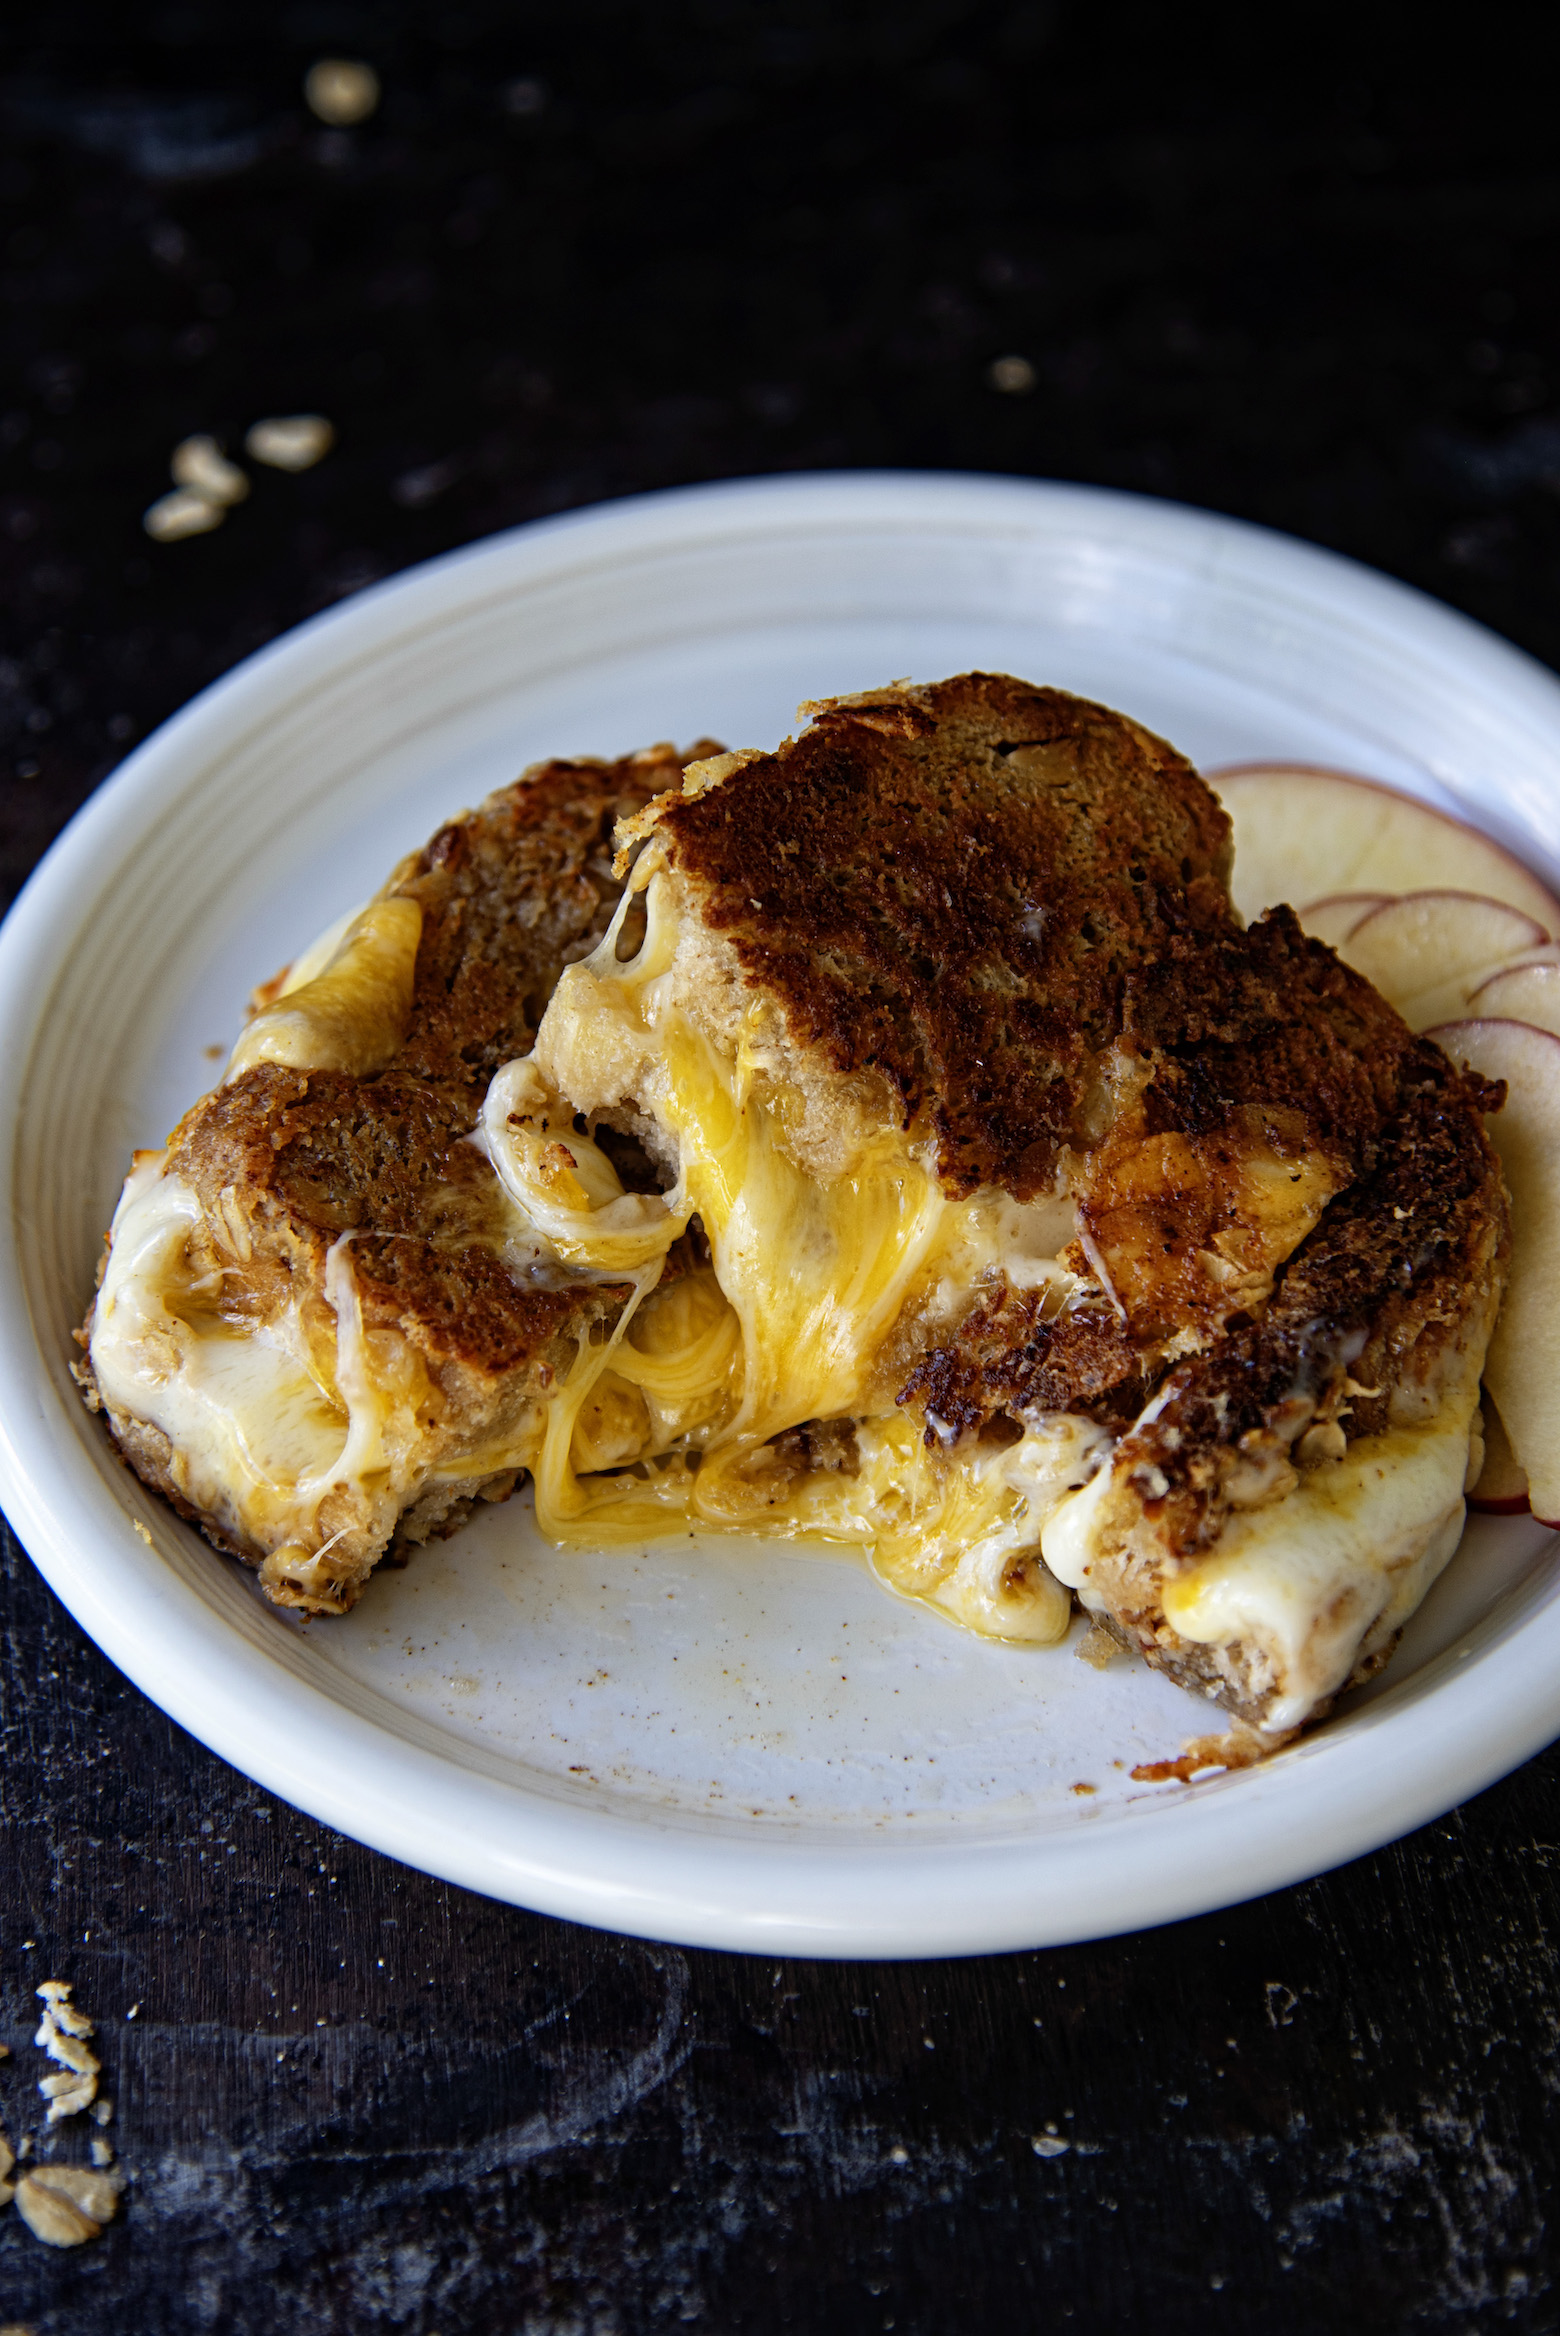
(952, 886)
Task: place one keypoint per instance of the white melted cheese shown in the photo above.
(1312, 1580)
(263, 1430)
(250, 1426)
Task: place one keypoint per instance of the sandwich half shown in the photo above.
(916, 1153)
(1064, 1236)
(314, 1332)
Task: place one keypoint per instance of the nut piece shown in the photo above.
(199, 463)
(290, 441)
(341, 91)
(65, 2205)
(179, 514)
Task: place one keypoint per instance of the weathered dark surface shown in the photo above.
(355, 2099)
(583, 250)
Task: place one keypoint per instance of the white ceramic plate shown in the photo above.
(722, 1744)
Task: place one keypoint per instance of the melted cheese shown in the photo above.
(1310, 1581)
(347, 1010)
(256, 1436)
(810, 1275)
(290, 1432)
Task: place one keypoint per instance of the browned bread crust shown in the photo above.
(1271, 1020)
(1382, 1285)
(952, 886)
(511, 894)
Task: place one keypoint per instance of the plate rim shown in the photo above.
(604, 1866)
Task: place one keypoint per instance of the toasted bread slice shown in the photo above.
(315, 1330)
(936, 895)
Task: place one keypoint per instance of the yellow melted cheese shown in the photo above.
(256, 1428)
(810, 1274)
(347, 1010)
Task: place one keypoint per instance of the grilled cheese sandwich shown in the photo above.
(904, 1146)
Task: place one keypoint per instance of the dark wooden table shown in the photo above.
(579, 251)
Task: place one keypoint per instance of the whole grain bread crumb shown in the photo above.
(67, 2205)
(1098, 1646)
(1238, 1747)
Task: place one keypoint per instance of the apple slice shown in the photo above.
(1521, 993)
(1333, 918)
(1502, 1489)
(1428, 951)
(1303, 834)
(1522, 1369)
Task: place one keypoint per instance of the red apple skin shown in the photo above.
(1534, 938)
(1366, 900)
(1322, 770)
(1549, 968)
(1361, 902)
(1511, 1504)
